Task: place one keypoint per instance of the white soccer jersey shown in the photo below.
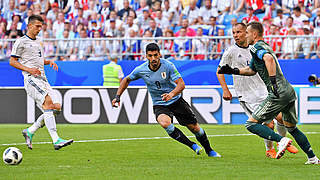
(248, 88)
(30, 52)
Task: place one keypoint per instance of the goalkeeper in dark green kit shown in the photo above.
(281, 96)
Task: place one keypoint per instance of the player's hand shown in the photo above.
(53, 65)
(227, 95)
(274, 86)
(116, 101)
(166, 96)
(226, 69)
(34, 71)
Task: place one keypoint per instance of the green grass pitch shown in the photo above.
(243, 156)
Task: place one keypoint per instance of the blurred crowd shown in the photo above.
(73, 28)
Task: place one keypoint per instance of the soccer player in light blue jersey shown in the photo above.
(165, 85)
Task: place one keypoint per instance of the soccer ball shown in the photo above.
(12, 156)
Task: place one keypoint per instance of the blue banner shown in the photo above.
(82, 73)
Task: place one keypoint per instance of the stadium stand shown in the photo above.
(79, 29)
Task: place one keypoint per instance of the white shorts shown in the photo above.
(38, 89)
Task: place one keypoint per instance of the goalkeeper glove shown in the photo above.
(226, 69)
(274, 86)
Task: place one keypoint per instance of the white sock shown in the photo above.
(51, 124)
(36, 125)
(282, 131)
(268, 144)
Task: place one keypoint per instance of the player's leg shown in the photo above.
(164, 118)
(50, 123)
(248, 109)
(203, 139)
(290, 120)
(283, 132)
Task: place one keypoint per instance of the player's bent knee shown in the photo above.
(194, 127)
(57, 106)
(164, 120)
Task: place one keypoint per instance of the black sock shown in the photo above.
(203, 139)
(179, 136)
(302, 141)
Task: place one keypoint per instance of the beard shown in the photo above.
(250, 42)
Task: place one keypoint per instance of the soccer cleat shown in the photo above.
(292, 149)
(314, 160)
(213, 154)
(283, 144)
(62, 143)
(271, 153)
(197, 149)
(28, 137)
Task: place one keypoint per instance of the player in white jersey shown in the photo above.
(250, 90)
(29, 50)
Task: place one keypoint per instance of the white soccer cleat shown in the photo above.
(283, 144)
(313, 160)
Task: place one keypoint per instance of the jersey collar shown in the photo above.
(30, 37)
(156, 69)
(242, 46)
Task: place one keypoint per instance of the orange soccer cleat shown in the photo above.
(292, 149)
(271, 153)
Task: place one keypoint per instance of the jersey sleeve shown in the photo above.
(135, 74)
(260, 52)
(251, 65)
(17, 49)
(226, 58)
(174, 74)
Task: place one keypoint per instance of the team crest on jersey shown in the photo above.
(163, 75)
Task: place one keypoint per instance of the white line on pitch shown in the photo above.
(144, 138)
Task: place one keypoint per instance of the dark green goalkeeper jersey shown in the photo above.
(285, 90)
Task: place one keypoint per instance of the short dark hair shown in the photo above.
(297, 9)
(290, 18)
(257, 26)
(241, 24)
(152, 47)
(34, 18)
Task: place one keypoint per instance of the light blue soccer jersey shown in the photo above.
(158, 82)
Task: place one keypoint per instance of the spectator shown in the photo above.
(80, 19)
(229, 31)
(132, 46)
(306, 44)
(112, 28)
(190, 32)
(53, 13)
(105, 9)
(206, 12)
(98, 48)
(289, 25)
(58, 25)
(223, 8)
(9, 12)
(94, 28)
(22, 9)
(93, 8)
(113, 15)
(298, 18)
(123, 13)
(183, 46)
(316, 24)
(112, 45)
(16, 19)
(290, 46)
(83, 46)
(144, 20)
(288, 5)
(145, 42)
(48, 46)
(2, 19)
(280, 20)
(274, 42)
(170, 13)
(191, 13)
(304, 8)
(64, 47)
(143, 7)
(156, 6)
(14, 32)
(162, 22)
(156, 32)
(317, 55)
(219, 46)
(213, 30)
(168, 46)
(251, 17)
(129, 25)
(237, 7)
(199, 46)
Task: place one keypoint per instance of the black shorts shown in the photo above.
(180, 109)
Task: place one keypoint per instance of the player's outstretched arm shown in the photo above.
(226, 69)
(52, 64)
(123, 86)
(177, 90)
(226, 93)
(15, 63)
